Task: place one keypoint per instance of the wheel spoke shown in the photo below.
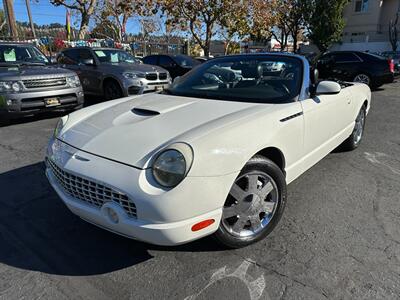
(240, 223)
(255, 222)
(268, 207)
(230, 211)
(267, 188)
(237, 192)
(253, 183)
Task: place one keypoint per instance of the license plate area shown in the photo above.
(159, 88)
(53, 101)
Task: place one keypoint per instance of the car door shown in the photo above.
(325, 119)
(345, 65)
(167, 63)
(89, 74)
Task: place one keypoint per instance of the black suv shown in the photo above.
(356, 66)
(177, 65)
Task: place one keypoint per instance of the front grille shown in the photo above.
(151, 76)
(91, 192)
(162, 76)
(44, 82)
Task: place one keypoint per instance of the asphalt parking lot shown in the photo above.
(339, 237)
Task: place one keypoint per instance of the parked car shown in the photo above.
(204, 157)
(29, 84)
(177, 65)
(113, 73)
(356, 66)
(395, 55)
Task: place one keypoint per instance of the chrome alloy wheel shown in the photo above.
(251, 204)
(362, 78)
(359, 127)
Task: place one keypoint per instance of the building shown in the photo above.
(367, 25)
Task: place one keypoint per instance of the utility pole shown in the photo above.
(28, 8)
(10, 17)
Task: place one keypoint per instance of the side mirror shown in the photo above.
(328, 88)
(88, 62)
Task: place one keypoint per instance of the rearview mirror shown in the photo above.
(328, 88)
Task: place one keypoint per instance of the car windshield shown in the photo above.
(115, 56)
(186, 61)
(259, 79)
(21, 54)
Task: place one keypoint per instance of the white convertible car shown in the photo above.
(211, 155)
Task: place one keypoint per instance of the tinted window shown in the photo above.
(11, 54)
(166, 62)
(260, 79)
(84, 54)
(345, 57)
(151, 60)
(70, 57)
(185, 61)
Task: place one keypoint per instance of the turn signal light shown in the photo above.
(202, 224)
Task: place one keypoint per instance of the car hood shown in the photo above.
(131, 131)
(125, 67)
(16, 72)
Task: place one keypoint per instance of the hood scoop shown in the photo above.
(145, 112)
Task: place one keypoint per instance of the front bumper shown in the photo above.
(142, 85)
(34, 101)
(164, 217)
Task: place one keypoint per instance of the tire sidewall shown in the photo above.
(114, 85)
(267, 166)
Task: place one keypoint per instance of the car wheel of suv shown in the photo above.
(254, 205)
(354, 140)
(112, 90)
(362, 78)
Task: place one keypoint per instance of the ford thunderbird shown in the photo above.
(212, 154)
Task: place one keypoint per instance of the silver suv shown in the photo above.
(113, 73)
(29, 84)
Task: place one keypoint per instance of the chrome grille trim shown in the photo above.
(44, 82)
(89, 191)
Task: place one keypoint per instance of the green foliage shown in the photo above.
(325, 23)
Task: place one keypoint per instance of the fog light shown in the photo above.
(112, 215)
(9, 102)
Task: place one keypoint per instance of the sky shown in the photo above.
(43, 12)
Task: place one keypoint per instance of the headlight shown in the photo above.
(73, 81)
(60, 125)
(10, 86)
(132, 75)
(172, 165)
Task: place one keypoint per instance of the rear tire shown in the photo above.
(254, 205)
(354, 140)
(112, 90)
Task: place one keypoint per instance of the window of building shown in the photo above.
(361, 6)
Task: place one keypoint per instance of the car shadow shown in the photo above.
(38, 232)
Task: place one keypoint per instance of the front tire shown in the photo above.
(354, 140)
(112, 90)
(254, 205)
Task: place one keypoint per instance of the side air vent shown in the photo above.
(145, 112)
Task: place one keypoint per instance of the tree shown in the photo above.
(234, 24)
(112, 20)
(86, 9)
(199, 16)
(325, 21)
(393, 32)
(262, 17)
